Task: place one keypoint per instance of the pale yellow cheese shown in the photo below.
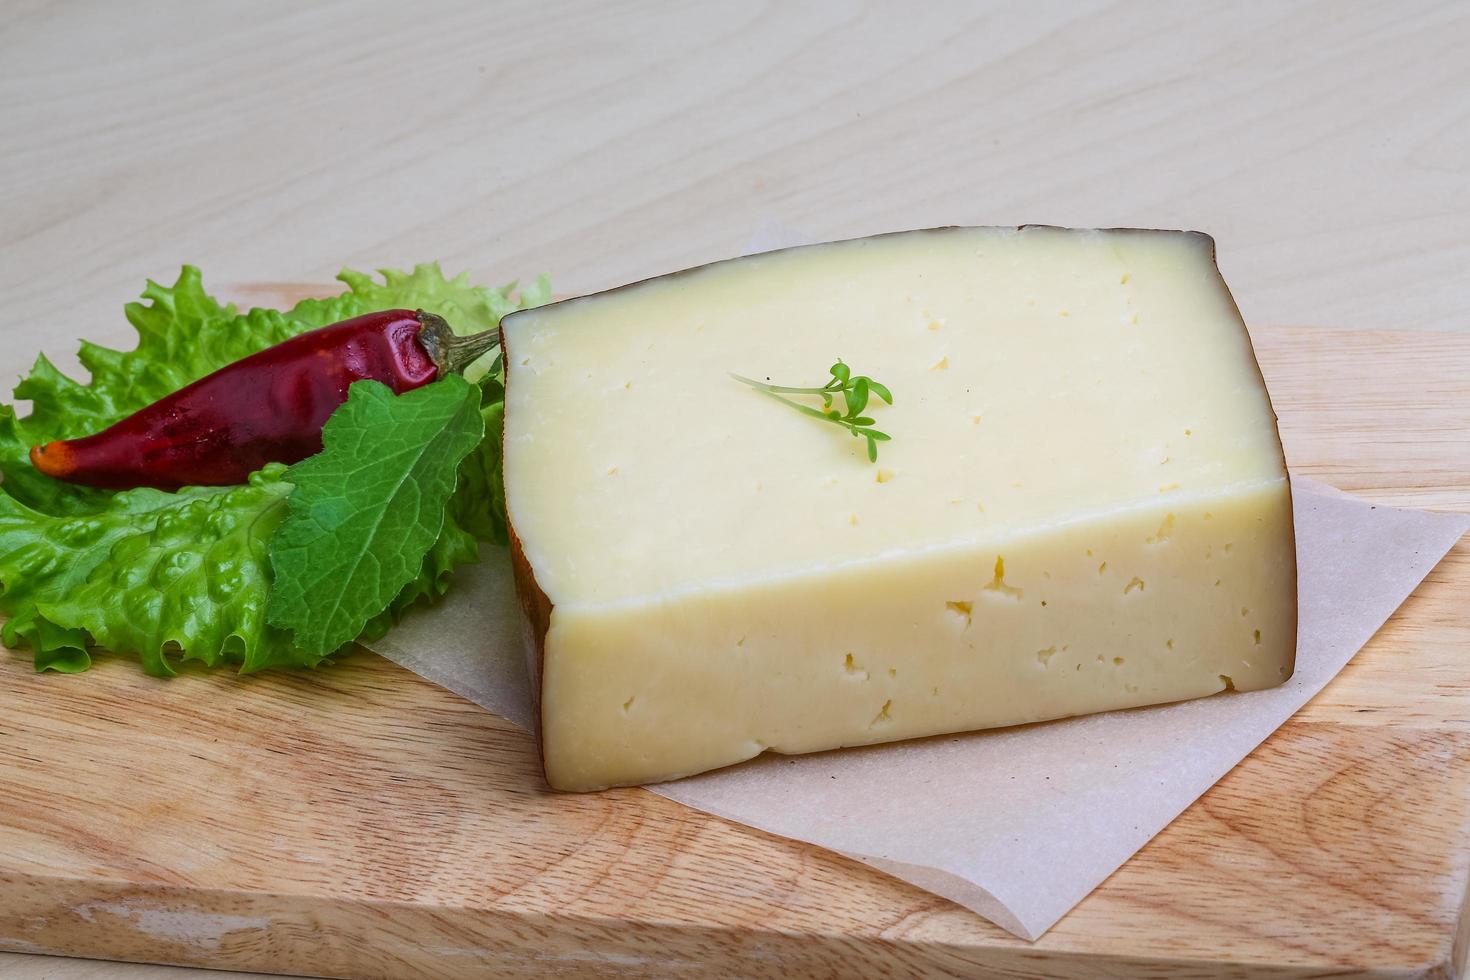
(1083, 506)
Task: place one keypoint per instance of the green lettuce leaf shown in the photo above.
(169, 576)
(62, 587)
(368, 507)
(479, 503)
(183, 334)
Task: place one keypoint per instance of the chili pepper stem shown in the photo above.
(450, 352)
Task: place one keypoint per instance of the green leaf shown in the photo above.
(170, 576)
(65, 592)
(368, 508)
(184, 334)
(479, 502)
(455, 546)
(855, 395)
(25, 484)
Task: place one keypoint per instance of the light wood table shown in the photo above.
(1326, 146)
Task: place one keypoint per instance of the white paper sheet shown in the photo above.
(1020, 824)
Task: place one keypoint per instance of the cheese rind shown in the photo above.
(1084, 505)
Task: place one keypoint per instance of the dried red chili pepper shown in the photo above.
(268, 407)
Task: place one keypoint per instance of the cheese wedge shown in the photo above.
(1083, 506)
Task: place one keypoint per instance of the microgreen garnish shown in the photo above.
(855, 391)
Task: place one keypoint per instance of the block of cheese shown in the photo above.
(1083, 506)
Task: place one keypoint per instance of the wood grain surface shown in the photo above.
(360, 822)
(1323, 143)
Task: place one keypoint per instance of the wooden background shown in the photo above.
(1326, 146)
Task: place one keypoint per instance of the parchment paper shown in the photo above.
(1019, 824)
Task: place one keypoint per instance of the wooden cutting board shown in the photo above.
(361, 822)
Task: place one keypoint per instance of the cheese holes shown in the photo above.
(960, 610)
(1165, 531)
(882, 717)
(997, 586)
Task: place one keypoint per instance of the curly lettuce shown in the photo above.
(167, 576)
(173, 577)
